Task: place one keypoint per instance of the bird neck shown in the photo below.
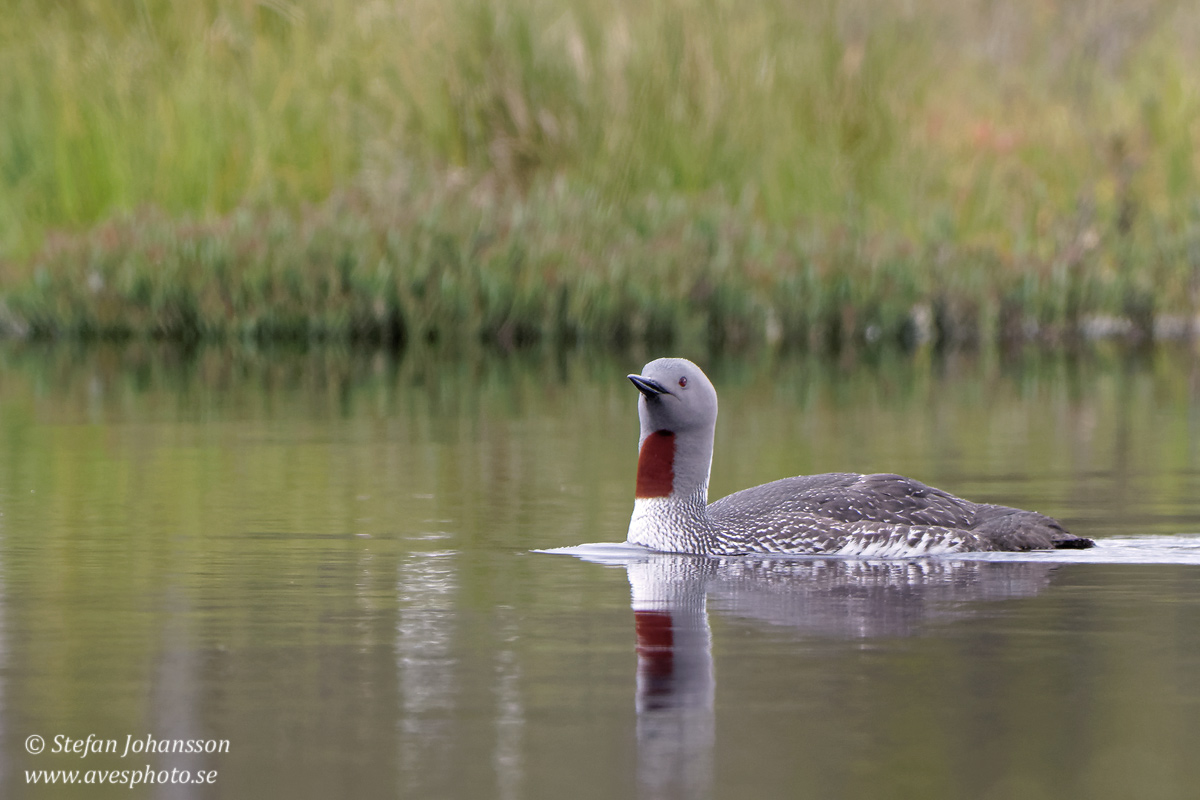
(674, 464)
(670, 510)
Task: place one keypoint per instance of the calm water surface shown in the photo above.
(327, 560)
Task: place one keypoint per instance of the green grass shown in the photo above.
(529, 169)
(428, 262)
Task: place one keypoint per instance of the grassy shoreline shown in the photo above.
(817, 174)
(452, 263)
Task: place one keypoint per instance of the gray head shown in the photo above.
(679, 404)
(676, 396)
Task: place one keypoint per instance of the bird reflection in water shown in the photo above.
(675, 684)
(850, 599)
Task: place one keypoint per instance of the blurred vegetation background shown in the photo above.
(528, 170)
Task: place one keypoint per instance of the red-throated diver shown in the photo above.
(837, 513)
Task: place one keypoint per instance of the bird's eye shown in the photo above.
(683, 382)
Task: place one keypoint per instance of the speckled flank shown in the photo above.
(880, 515)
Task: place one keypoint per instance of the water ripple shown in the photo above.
(1148, 549)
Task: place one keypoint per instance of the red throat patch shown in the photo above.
(656, 465)
(655, 650)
